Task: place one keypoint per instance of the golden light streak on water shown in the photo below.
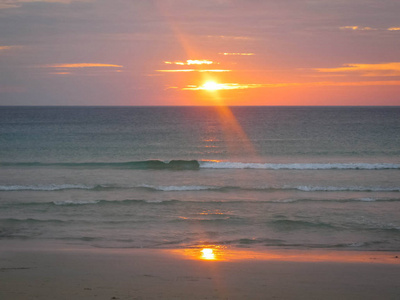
(238, 142)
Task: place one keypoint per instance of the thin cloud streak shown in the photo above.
(193, 70)
(237, 86)
(222, 86)
(9, 47)
(83, 65)
(190, 62)
(357, 28)
(382, 69)
(236, 54)
(8, 4)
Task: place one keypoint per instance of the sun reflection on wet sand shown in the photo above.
(222, 253)
(208, 254)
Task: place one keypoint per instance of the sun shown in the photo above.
(211, 86)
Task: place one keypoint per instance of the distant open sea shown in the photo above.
(185, 177)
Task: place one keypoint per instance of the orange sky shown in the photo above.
(186, 52)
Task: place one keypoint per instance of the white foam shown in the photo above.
(356, 244)
(298, 166)
(181, 188)
(367, 199)
(344, 189)
(154, 201)
(75, 202)
(285, 201)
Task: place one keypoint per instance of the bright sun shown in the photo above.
(211, 86)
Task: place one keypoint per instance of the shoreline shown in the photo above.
(36, 270)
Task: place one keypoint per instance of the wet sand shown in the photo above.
(43, 271)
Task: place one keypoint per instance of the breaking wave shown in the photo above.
(49, 187)
(171, 188)
(298, 166)
(196, 165)
(194, 188)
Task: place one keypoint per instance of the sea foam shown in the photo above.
(298, 166)
(180, 188)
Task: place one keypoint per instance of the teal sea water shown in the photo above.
(177, 177)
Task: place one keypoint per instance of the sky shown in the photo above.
(208, 52)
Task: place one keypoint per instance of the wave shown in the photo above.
(61, 187)
(298, 166)
(298, 224)
(91, 202)
(271, 188)
(75, 202)
(171, 188)
(109, 202)
(195, 188)
(342, 189)
(53, 187)
(50, 187)
(129, 202)
(246, 242)
(32, 220)
(204, 164)
(366, 199)
(136, 165)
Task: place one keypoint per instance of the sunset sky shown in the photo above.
(191, 52)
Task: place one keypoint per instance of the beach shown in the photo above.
(42, 271)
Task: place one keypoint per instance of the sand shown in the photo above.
(48, 271)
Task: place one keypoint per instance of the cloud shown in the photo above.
(239, 86)
(231, 37)
(82, 69)
(194, 63)
(355, 83)
(60, 73)
(83, 65)
(382, 69)
(356, 28)
(193, 70)
(2, 48)
(359, 28)
(237, 53)
(4, 4)
(17, 2)
(221, 86)
(190, 62)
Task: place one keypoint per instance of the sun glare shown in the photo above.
(211, 86)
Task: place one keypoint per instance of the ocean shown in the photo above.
(186, 177)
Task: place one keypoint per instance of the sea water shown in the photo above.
(182, 177)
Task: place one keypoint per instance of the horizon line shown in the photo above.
(27, 105)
